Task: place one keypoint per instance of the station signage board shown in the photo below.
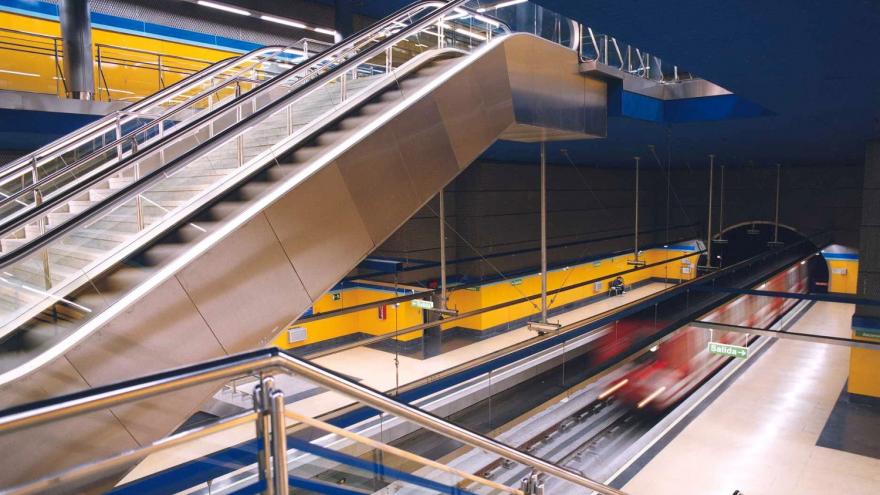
(727, 350)
(867, 334)
(421, 303)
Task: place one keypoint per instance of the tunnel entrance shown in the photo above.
(744, 240)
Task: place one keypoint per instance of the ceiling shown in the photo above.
(814, 65)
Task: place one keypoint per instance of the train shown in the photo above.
(681, 363)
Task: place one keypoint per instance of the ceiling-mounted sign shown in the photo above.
(421, 303)
(733, 351)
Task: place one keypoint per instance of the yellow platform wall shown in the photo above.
(366, 321)
(128, 82)
(864, 368)
(843, 283)
(405, 315)
(499, 292)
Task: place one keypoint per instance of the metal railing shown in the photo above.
(35, 178)
(33, 63)
(323, 77)
(601, 48)
(606, 49)
(268, 418)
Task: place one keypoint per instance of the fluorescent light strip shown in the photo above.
(17, 73)
(270, 18)
(223, 7)
(488, 21)
(501, 5)
(473, 35)
(286, 22)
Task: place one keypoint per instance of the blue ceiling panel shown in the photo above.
(811, 64)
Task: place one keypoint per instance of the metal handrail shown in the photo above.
(266, 362)
(150, 52)
(306, 67)
(187, 157)
(131, 136)
(25, 161)
(110, 119)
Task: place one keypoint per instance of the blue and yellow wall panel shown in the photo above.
(843, 269)
(393, 316)
(503, 291)
(864, 364)
(27, 61)
(403, 315)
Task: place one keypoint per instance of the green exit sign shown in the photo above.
(729, 350)
(420, 303)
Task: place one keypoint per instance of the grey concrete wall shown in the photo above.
(813, 199)
(494, 208)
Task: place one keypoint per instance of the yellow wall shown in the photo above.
(496, 293)
(864, 369)
(366, 321)
(405, 315)
(129, 83)
(844, 284)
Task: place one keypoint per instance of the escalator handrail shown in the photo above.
(128, 137)
(182, 161)
(123, 194)
(59, 145)
(308, 63)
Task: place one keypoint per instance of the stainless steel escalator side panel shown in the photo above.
(552, 104)
(241, 290)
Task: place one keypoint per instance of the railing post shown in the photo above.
(441, 41)
(279, 444)
(343, 87)
(41, 223)
(240, 138)
(605, 52)
(264, 427)
(161, 79)
(388, 54)
(119, 149)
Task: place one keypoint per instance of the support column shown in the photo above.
(709, 221)
(432, 337)
(864, 370)
(76, 39)
(543, 232)
(443, 299)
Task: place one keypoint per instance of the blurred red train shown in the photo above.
(681, 363)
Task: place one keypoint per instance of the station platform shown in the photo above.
(763, 434)
(376, 368)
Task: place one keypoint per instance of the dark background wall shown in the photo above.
(494, 208)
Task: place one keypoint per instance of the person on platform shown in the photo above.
(617, 286)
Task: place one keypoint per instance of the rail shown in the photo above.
(268, 417)
(241, 115)
(23, 182)
(36, 60)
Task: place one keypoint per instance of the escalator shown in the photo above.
(214, 237)
(39, 176)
